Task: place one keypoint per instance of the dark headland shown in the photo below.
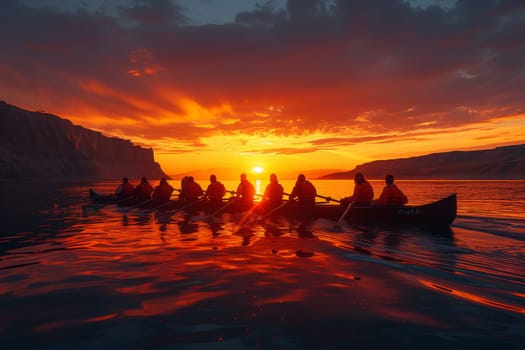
(501, 163)
(35, 145)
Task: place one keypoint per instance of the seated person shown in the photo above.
(215, 191)
(125, 189)
(143, 190)
(304, 191)
(363, 192)
(391, 194)
(162, 192)
(273, 195)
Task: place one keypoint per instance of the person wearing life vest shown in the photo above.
(143, 190)
(304, 192)
(125, 189)
(391, 195)
(363, 192)
(273, 195)
(215, 191)
(162, 192)
(245, 192)
(192, 191)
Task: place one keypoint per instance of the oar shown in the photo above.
(272, 211)
(221, 209)
(186, 206)
(319, 196)
(328, 198)
(247, 215)
(338, 225)
(138, 205)
(164, 204)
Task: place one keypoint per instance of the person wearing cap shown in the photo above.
(363, 192)
(391, 195)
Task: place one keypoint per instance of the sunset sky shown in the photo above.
(284, 85)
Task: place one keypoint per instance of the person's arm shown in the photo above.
(293, 194)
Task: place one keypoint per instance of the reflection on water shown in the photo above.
(77, 275)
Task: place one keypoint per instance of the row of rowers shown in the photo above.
(303, 193)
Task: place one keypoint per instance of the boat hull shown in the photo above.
(438, 213)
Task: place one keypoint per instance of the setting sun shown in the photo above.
(257, 169)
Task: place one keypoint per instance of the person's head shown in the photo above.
(243, 177)
(144, 180)
(125, 180)
(389, 179)
(191, 179)
(213, 178)
(359, 178)
(301, 178)
(273, 178)
(162, 180)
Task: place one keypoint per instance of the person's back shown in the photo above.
(392, 195)
(193, 190)
(245, 191)
(125, 189)
(163, 191)
(304, 191)
(273, 194)
(215, 191)
(143, 190)
(363, 192)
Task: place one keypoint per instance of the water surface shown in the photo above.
(73, 275)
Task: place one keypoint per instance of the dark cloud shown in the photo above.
(263, 14)
(155, 12)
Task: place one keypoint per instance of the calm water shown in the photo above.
(76, 276)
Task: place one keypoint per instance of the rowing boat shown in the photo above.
(439, 213)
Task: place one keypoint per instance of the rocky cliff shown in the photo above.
(43, 146)
(499, 163)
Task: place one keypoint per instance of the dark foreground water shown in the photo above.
(75, 276)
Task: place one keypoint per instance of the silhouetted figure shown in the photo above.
(273, 195)
(363, 192)
(304, 191)
(391, 194)
(245, 192)
(215, 192)
(143, 190)
(162, 192)
(192, 191)
(125, 189)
